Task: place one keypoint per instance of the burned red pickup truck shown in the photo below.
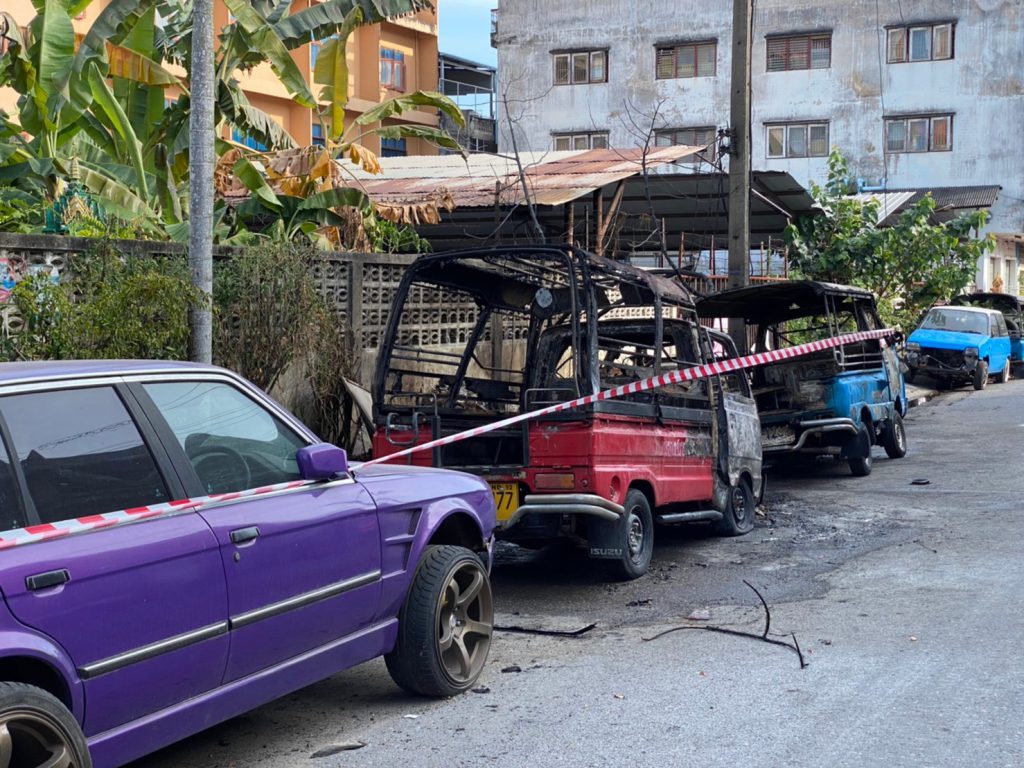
(522, 328)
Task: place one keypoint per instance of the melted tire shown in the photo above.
(419, 662)
(738, 518)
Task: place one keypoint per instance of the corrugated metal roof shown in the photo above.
(947, 199)
(553, 178)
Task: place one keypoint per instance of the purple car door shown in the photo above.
(140, 608)
(303, 566)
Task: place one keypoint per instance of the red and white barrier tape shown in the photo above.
(654, 382)
(47, 531)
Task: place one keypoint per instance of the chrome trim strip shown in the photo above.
(152, 650)
(300, 601)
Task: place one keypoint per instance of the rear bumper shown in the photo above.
(815, 428)
(566, 504)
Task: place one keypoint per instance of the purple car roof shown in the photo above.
(62, 369)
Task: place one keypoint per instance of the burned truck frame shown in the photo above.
(477, 336)
(839, 401)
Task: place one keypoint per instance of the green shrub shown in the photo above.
(106, 306)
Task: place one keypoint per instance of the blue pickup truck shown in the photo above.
(955, 345)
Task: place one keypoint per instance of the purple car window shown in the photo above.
(11, 514)
(232, 442)
(81, 453)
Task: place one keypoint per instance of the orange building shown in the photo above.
(385, 60)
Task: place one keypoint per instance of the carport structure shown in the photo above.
(615, 202)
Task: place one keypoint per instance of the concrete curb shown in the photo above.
(919, 396)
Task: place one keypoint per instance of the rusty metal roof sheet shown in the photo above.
(553, 178)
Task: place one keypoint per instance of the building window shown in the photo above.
(799, 52)
(690, 137)
(577, 67)
(797, 140)
(319, 135)
(686, 60)
(393, 148)
(585, 140)
(925, 42)
(240, 137)
(920, 133)
(392, 69)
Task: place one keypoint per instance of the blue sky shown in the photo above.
(466, 29)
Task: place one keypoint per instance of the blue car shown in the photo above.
(1013, 313)
(956, 345)
(838, 402)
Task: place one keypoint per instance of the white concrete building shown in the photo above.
(919, 94)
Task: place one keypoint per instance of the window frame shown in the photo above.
(149, 435)
(904, 34)
(810, 38)
(930, 119)
(569, 57)
(177, 457)
(787, 127)
(396, 66)
(709, 155)
(573, 136)
(676, 48)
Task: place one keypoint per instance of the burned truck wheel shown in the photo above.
(894, 437)
(738, 516)
(860, 466)
(636, 532)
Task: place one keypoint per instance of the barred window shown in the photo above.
(686, 60)
(920, 42)
(796, 52)
(919, 133)
(578, 67)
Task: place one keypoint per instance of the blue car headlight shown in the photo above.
(913, 346)
(971, 353)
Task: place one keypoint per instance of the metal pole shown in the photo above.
(739, 160)
(201, 159)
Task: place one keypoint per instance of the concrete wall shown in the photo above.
(982, 86)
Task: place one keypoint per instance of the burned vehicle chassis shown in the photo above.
(541, 325)
(838, 402)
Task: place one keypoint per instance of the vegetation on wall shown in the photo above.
(109, 308)
(909, 264)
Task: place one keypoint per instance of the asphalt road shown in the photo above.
(906, 601)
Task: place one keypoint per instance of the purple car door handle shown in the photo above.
(48, 579)
(242, 535)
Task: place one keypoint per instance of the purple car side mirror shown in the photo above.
(321, 461)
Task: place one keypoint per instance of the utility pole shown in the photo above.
(201, 158)
(739, 160)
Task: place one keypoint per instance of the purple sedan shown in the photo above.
(178, 549)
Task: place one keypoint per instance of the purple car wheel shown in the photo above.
(445, 627)
(37, 730)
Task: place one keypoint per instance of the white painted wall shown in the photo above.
(983, 85)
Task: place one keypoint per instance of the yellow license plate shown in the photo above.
(506, 499)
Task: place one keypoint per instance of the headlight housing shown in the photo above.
(971, 353)
(913, 346)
